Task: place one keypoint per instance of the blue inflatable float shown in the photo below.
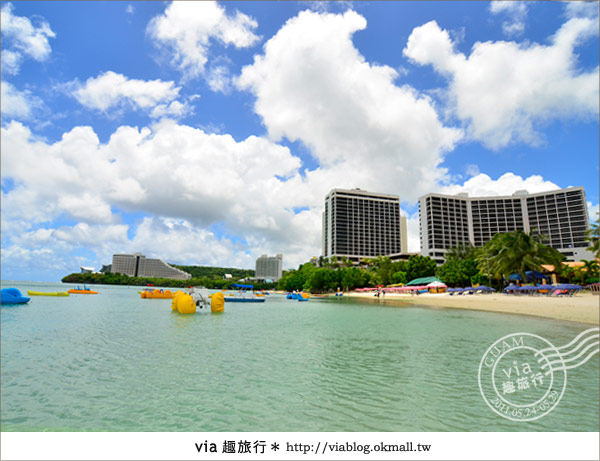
(12, 296)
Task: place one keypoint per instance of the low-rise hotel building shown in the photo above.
(448, 221)
(137, 265)
(358, 224)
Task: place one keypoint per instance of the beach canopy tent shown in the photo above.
(437, 284)
(538, 275)
(423, 281)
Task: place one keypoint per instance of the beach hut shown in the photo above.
(437, 287)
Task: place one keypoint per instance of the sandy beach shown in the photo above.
(583, 308)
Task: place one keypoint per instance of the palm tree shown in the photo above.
(593, 235)
(518, 251)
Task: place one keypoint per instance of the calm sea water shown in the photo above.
(115, 362)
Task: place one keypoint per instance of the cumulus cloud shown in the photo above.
(482, 185)
(177, 173)
(17, 104)
(503, 90)
(22, 38)
(516, 13)
(110, 90)
(187, 29)
(11, 61)
(312, 85)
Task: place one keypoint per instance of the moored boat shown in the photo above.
(47, 293)
(82, 291)
(244, 299)
(244, 295)
(156, 294)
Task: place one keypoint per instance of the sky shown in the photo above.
(209, 133)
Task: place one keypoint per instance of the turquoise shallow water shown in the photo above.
(115, 362)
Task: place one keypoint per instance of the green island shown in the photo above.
(209, 277)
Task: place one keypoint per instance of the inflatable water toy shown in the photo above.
(12, 296)
(183, 303)
(217, 302)
(298, 296)
(157, 294)
(47, 293)
(186, 303)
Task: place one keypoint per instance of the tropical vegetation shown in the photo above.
(212, 278)
(330, 274)
(593, 236)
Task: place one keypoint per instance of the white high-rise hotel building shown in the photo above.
(358, 224)
(450, 221)
(269, 267)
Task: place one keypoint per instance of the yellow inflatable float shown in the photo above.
(217, 302)
(186, 304)
(183, 303)
(156, 294)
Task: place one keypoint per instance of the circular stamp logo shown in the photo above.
(522, 377)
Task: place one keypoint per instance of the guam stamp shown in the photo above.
(522, 376)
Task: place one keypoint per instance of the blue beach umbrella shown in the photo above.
(511, 287)
(546, 287)
(484, 288)
(528, 288)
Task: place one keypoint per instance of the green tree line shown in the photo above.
(505, 254)
(328, 274)
(120, 279)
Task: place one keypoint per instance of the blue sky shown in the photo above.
(209, 133)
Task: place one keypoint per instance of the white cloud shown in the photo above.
(219, 79)
(516, 12)
(593, 211)
(312, 85)
(11, 61)
(22, 37)
(15, 103)
(507, 184)
(111, 90)
(186, 29)
(581, 10)
(130, 9)
(503, 90)
(174, 172)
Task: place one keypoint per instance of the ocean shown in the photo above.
(116, 362)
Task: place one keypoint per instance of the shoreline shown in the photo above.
(580, 308)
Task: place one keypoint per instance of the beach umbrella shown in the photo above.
(528, 288)
(511, 287)
(568, 286)
(484, 288)
(546, 287)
